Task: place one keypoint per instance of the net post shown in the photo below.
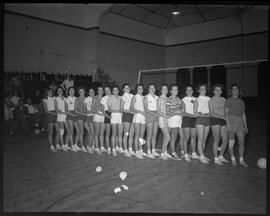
(139, 76)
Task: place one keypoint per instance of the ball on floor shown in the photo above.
(261, 163)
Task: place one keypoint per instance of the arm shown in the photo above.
(227, 118)
(195, 108)
(159, 109)
(244, 117)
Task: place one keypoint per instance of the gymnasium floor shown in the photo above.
(36, 179)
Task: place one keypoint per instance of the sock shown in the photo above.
(193, 153)
(154, 150)
(186, 155)
(221, 156)
(216, 158)
(182, 152)
(148, 152)
(233, 158)
(113, 149)
(201, 157)
(241, 159)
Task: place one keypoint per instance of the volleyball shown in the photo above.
(261, 163)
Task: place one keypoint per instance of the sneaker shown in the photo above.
(73, 148)
(222, 159)
(121, 150)
(114, 153)
(182, 154)
(102, 149)
(58, 147)
(203, 160)
(243, 163)
(138, 155)
(149, 155)
(234, 163)
(117, 148)
(97, 151)
(83, 149)
(52, 149)
(127, 154)
(195, 156)
(132, 152)
(207, 159)
(64, 148)
(67, 147)
(155, 154)
(163, 156)
(90, 150)
(109, 151)
(218, 162)
(187, 159)
(168, 155)
(158, 150)
(78, 148)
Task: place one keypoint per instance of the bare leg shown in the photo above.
(193, 139)
(120, 134)
(126, 126)
(174, 134)
(154, 135)
(200, 133)
(97, 131)
(108, 133)
(166, 138)
(81, 132)
(216, 134)
(77, 132)
(137, 135)
(224, 138)
(149, 136)
(101, 136)
(131, 136)
(57, 139)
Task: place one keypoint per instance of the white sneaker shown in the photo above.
(74, 148)
(78, 148)
(142, 153)
(155, 154)
(52, 149)
(90, 150)
(127, 154)
(97, 151)
(58, 147)
(234, 163)
(243, 163)
(218, 162)
(195, 156)
(117, 148)
(109, 151)
(121, 150)
(114, 153)
(168, 155)
(132, 152)
(207, 159)
(149, 155)
(102, 149)
(204, 161)
(138, 155)
(67, 147)
(163, 156)
(222, 159)
(83, 149)
(187, 159)
(182, 154)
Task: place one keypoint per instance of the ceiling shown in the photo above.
(159, 15)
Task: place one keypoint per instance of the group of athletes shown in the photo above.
(117, 124)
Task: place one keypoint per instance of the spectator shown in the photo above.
(22, 118)
(53, 86)
(14, 101)
(69, 82)
(35, 117)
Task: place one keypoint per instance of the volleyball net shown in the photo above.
(244, 73)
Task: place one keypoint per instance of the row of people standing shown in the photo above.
(120, 122)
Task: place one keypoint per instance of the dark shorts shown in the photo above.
(202, 121)
(71, 118)
(188, 122)
(50, 118)
(217, 121)
(107, 120)
(127, 117)
(81, 117)
(89, 118)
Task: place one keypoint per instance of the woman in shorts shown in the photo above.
(114, 105)
(218, 124)
(97, 109)
(138, 121)
(107, 121)
(81, 116)
(71, 119)
(237, 124)
(88, 124)
(175, 120)
(61, 110)
(201, 110)
(188, 123)
(151, 120)
(127, 117)
(50, 117)
(163, 119)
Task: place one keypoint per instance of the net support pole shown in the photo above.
(139, 76)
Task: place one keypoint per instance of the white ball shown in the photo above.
(98, 169)
(117, 190)
(123, 175)
(261, 163)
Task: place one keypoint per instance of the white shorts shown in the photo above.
(139, 118)
(61, 117)
(162, 122)
(116, 118)
(175, 121)
(98, 118)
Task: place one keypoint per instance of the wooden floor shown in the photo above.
(36, 179)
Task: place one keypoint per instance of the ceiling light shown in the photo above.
(175, 13)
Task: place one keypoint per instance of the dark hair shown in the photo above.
(125, 84)
(80, 87)
(116, 86)
(238, 87)
(107, 86)
(200, 85)
(71, 87)
(173, 85)
(217, 86)
(153, 84)
(138, 86)
(46, 90)
(235, 85)
(189, 85)
(59, 87)
(71, 76)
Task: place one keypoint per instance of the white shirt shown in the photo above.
(60, 103)
(189, 104)
(31, 109)
(104, 101)
(88, 101)
(70, 102)
(152, 102)
(50, 103)
(203, 102)
(138, 105)
(127, 100)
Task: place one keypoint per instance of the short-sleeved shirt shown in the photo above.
(88, 101)
(70, 102)
(114, 102)
(236, 106)
(60, 103)
(218, 104)
(203, 104)
(127, 100)
(152, 102)
(50, 103)
(104, 101)
(162, 102)
(174, 104)
(189, 104)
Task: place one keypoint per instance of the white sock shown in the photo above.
(216, 158)
(221, 156)
(241, 159)
(130, 149)
(148, 152)
(194, 154)
(113, 149)
(109, 148)
(201, 157)
(182, 152)
(186, 155)
(154, 150)
(233, 158)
